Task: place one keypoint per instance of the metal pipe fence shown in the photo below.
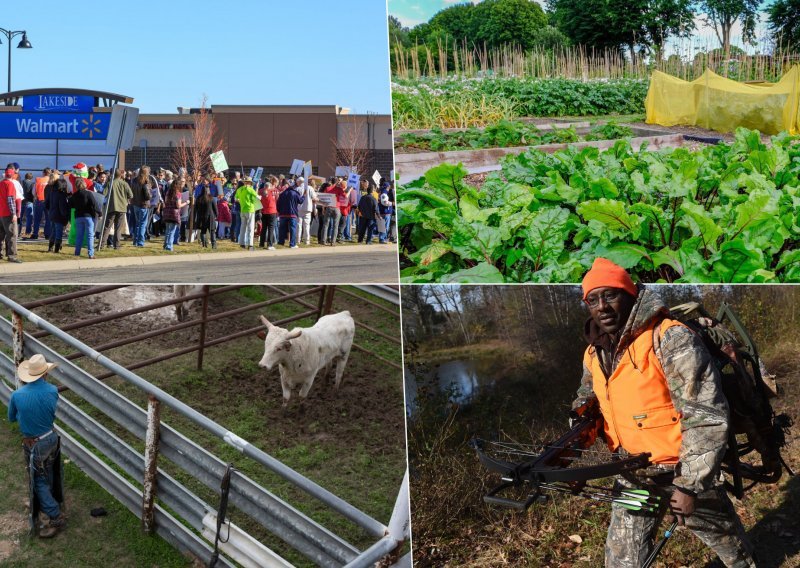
(165, 505)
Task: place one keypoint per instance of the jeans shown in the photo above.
(170, 234)
(246, 232)
(27, 212)
(58, 231)
(140, 215)
(236, 222)
(267, 229)
(366, 227)
(288, 224)
(387, 219)
(84, 232)
(348, 225)
(38, 212)
(330, 224)
(41, 459)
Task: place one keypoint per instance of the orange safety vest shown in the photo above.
(635, 400)
(41, 183)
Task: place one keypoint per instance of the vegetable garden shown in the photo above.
(723, 213)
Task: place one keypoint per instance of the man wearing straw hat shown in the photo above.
(33, 405)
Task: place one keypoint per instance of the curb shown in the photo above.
(85, 263)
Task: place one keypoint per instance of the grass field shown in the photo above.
(352, 442)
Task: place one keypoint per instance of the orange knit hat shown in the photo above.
(606, 274)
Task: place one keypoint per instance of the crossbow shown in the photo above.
(561, 466)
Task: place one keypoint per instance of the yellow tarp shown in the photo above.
(721, 104)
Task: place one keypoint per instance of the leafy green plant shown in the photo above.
(725, 213)
(504, 134)
(462, 103)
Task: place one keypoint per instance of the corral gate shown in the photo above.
(312, 540)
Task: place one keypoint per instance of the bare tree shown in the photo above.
(193, 152)
(352, 147)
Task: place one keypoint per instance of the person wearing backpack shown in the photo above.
(659, 392)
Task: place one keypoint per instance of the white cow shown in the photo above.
(181, 290)
(301, 353)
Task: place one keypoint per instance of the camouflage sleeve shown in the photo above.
(694, 384)
(585, 390)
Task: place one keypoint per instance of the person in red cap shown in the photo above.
(8, 215)
(659, 392)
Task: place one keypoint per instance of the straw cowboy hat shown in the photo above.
(34, 368)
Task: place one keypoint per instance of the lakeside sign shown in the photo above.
(58, 103)
(58, 128)
(81, 126)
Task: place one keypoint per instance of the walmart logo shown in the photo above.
(90, 126)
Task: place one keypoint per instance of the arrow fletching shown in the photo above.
(634, 505)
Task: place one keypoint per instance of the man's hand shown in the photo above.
(682, 504)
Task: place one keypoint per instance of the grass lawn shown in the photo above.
(32, 251)
(113, 540)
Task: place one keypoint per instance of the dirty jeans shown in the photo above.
(40, 460)
(631, 534)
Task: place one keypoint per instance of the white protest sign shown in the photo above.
(327, 199)
(353, 179)
(376, 177)
(307, 170)
(297, 167)
(342, 171)
(219, 162)
(381, 225)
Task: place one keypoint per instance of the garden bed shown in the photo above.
(675, 212)
(411, 166)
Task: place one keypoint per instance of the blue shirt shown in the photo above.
(34, 406)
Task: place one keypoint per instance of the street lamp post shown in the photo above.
(23, 44)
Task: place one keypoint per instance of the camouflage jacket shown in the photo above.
(695, 389)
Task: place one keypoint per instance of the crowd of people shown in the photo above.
(146, 204)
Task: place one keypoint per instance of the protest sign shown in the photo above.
(381, 225)
(376, 177)
(353, 179)
(297, 167)
(327, 199)
(307, 170)
(258, 174)
(343, 171)
(219, 162)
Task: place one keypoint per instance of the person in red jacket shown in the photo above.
(269, 213)
(8, 215)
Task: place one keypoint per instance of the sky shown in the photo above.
(414, 12)
(169, 53)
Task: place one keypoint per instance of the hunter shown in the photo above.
(33, 405)
(659, 392)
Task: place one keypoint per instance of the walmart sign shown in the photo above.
(70, 126)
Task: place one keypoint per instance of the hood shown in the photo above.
(648, 307)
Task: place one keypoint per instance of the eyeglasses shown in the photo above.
(609, 297)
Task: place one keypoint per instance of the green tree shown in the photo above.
(614, 24)
(723, 14)
(499, 22)
(398, 33)
(456, 21)
(784, 22)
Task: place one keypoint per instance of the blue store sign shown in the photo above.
(57, 103)
(91, 126)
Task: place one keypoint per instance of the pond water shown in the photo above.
(460, 380)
